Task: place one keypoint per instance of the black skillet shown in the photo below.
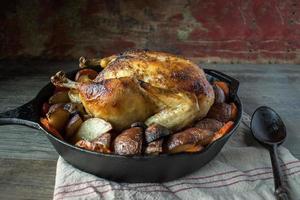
(159, 168)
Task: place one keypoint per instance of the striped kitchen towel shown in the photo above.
(242, 170)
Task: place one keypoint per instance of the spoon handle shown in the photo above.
(280, 190)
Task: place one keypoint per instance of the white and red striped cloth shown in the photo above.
(242, 170)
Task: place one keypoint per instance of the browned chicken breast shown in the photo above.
(148, 86)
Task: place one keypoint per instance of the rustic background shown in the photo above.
(235, 31)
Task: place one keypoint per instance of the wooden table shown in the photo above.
(28, 161)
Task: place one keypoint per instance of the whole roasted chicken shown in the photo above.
(148, 86)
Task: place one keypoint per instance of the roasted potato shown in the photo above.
(104, 139)
(156, 131)
(92, 146)
(92, 128)
(209, 124)
(155, 147)
(188, 138)
(58, 116)
(74, 108)
(220, 112)
(86, 75)
(50, 128)
(59, 97)
(74, 96)
(73, 125)
(219, 94)
(129, 142)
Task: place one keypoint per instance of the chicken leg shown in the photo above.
(119, 101)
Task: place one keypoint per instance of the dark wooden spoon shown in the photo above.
(268, 128)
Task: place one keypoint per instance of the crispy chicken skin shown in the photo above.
(149, 86)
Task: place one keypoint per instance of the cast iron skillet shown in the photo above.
(159, 168)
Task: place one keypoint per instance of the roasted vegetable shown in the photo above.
(49, 128)
(220, 112)
(155, 131)
(155, 147)
(92, 128)
(74, 108)
(209, 124)
(85, 75)
(59, 97)
(129, 142)
(58, 116)
(139, 124)
(179, 142)
(219, 94)
(73, 125)
(224, 87)
(224, 130)
(234, 111)
(193, 149)
(104, 139)
(74, 96)
(92, 146)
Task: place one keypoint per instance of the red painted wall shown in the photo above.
(257, 31)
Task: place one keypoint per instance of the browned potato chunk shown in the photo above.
(220, 112)
(129, 142)
(209, 124)
(155, 147)
(155, 131)
(92, 146)
(73, 125)
(57, 116)
(104, 139)
(188, 138)
(219, 94)
(59, 97)
(75, 108)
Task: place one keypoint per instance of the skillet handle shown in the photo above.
(234, 84)
(27, 114)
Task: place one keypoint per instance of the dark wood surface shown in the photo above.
(28, 161)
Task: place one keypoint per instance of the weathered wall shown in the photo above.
(255, 31)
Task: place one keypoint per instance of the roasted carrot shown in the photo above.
(223, 86)
(234, 111)
(194, 149)
(224, 130)
(51, 129)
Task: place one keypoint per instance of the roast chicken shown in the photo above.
(148, 86)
